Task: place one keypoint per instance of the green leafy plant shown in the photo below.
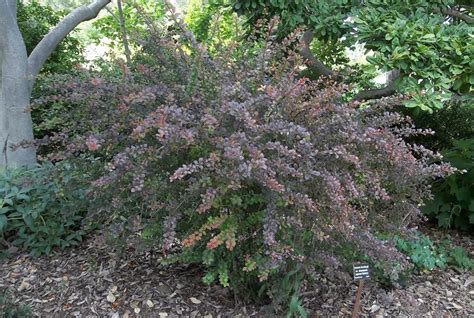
(37, 212)
(407, 36)
(459, 257)
(453, 127)
(427, 43)
(426, 255)
(453, 202)
(8, 309)
(422, 252)
(139, 15)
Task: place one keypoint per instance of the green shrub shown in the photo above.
(453, 122)
(37, 212)
(56, 115)
(453, 126)
(422, 253)
(8, 309)
(453, 202)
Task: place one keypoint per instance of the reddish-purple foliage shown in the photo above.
(182, 143)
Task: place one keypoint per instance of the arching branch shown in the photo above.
(457, 14)
(320, 69)
(316, 65)
(388, 90)
(47, 45)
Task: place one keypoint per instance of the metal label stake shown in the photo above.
(361, 273)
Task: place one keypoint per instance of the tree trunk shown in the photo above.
(17, 76)
(123, 30)
(15, 93)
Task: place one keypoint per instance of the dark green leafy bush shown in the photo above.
(453, 122)
(453, 203)
(243, 167)
(37, 212)
(8, 309)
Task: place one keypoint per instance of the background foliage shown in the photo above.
(139, 15)
(433, 51)
(35, 20)
(454, 137)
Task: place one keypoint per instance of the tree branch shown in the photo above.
(456, 14)
(123, 30)
(47, 45)
(322, 70)
(316, 65)
(388, 90)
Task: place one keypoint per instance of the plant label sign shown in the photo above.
(361, 271)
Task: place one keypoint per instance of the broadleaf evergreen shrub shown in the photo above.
(38, 212)
(453, 203)
(243, 167)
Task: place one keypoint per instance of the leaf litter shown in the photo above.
(90, 281)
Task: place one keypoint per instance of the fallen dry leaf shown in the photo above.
(456, 306)
(195, 300)
(111, 298)
(469, 281)
(374, 308)
(24, 286)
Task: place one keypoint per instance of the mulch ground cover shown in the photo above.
(90, 281)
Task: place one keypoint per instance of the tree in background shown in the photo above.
(63, 4)
(131, 18)
(18, 73)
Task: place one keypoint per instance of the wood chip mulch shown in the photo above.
(89, 281)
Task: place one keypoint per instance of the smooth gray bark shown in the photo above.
(49, 43)
(15, 119)
(17, 76)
